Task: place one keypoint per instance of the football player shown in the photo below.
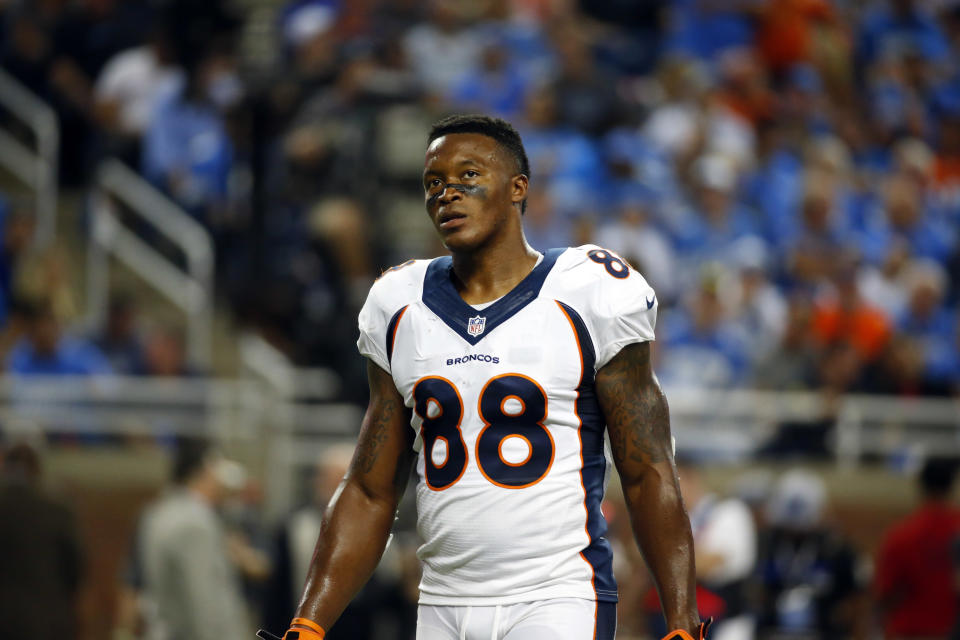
(496, 371)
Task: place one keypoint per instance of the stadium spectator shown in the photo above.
(497, 88)
(946, 170)
(907, 215)
(811, 247)
(760, 311)
(842, 316)
(709, 227)
(882, 285)
(706, 29)
(901, 371)
(164, 354)
(928, 321)
(129, 88)
(889, 29)
(791, 32)
(40, 552)
(47, 274)
(914, 579)
(444, 48)
(808, 573)
(89, 33)
(566, 160)
(18, 224)
(35, 56)
(186, 150)
(586, 94)
(674, 122)
(311, 44)
(192, 587)
(790, 365)
(248, 539)
(635, 237)
(702, 348)
(745, 87)
(120, 340)
(545, 226)
(26, 52)
(46, 350)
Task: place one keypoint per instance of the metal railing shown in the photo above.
(34, 166)
(191, 290)
(288, 428)
(303, 416)
(736, 424)
(132, 406)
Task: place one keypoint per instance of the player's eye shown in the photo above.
(470, 173)
(433, 184)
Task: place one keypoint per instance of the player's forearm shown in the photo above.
(638, 421)
(667, 546)
(352, 538)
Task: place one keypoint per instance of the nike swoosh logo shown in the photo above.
(650, 302)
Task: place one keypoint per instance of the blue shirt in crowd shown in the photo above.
(72, 357)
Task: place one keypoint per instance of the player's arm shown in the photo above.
(358, 520)
(638, 422)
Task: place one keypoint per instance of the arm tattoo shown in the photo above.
(384, 411)
(635, 406)
(374, 435)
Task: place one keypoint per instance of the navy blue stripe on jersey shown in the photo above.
(441, 296)
(598, 552)
(392, 332)
(606, 621)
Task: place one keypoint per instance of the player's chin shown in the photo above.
(459, 240)
(457, 245)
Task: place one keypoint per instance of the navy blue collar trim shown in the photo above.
(441, 296)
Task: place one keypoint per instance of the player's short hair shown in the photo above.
(190, 457)
(496, 128)
(937, 476)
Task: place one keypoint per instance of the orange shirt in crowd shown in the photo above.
(946, 170)
(866, 328)
(784, 33)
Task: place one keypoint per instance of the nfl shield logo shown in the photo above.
(475, 325)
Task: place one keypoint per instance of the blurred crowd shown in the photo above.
(786, 173)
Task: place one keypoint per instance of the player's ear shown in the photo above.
(519, 186)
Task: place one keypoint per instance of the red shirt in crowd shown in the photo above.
(916, 571)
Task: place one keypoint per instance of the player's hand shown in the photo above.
(680, 634)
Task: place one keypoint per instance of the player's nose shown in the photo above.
(450, 193)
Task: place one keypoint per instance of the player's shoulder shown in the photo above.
(591, 269)
(399, 285)
(611, 298)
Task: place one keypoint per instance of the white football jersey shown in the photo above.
(511, 460)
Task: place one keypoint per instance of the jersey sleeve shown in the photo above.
(391, 293)
(627, 316)
(621, 308)
(373, 321)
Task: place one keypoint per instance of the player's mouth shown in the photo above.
(450, 219)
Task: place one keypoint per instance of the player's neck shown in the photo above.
(490, 273)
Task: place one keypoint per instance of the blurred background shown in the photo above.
(196, 196)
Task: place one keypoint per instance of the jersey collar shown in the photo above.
(441, 296)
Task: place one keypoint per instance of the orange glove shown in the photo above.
(680, 634)
(303, 629)
(300, 629)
